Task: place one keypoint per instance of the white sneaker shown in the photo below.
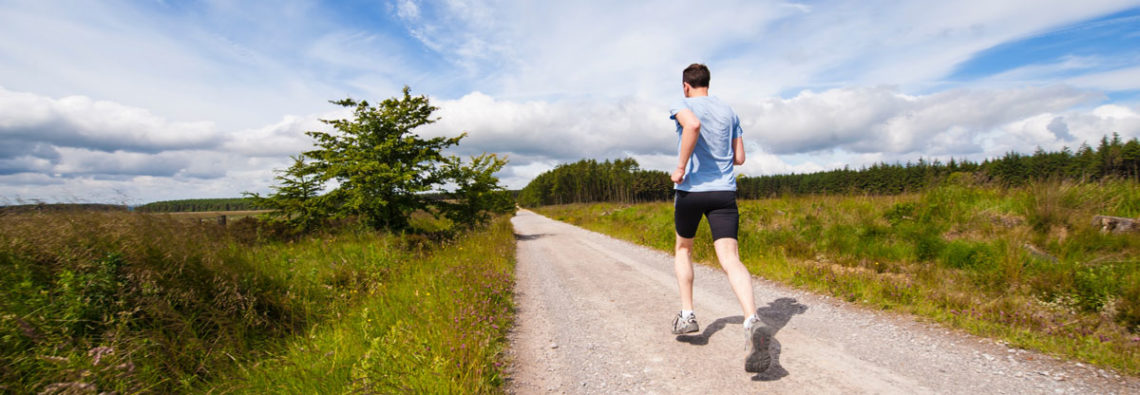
(756, 342)
(683, 325)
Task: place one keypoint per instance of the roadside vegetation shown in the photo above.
(1025, 265)
(128, 302)
(359, 279)
(410, 315)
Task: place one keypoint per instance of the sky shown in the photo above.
(136, 101)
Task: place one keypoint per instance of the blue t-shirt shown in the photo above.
(710, 167)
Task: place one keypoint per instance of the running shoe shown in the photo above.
(756, 344)
(683, 325)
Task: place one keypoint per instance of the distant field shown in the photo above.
(230, 215)
(1024, 265)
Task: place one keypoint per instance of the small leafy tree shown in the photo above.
(297, 197)
(380, 165)
(381, 170)
(477, 192)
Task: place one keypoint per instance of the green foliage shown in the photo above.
(380, 166)
(960, 254)
(1129, 313)
(383, 171)
(477, 194)
(296, 201)
(621, 180)
(588, 180)
(426, 320)
(927, 245)
(878, 179)
(125, 302)
(1112, 159)
(900, 212)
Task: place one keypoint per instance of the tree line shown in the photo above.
(1111, 158)
(623, 181)
(588, 180)
(184, 205)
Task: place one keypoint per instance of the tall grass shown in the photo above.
(1023, 265)
(438, 325)
(136, 303)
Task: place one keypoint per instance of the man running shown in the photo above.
(709, 144)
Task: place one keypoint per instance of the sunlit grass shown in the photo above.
(436, 326)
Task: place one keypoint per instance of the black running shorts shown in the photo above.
(718, 206)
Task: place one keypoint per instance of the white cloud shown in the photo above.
(282, 139)
(408, 10)
(555, 130)
(755, 48)
(881, 119)
(1122, 79)
(809, 132)
(72, 143)
(78, 121)
(239, 66)
(851, 127)
(150, 102)
(1104, 120)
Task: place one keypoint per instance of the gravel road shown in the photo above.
(594, 316)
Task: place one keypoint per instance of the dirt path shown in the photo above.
(594, 316)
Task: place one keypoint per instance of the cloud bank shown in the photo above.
(139, 102)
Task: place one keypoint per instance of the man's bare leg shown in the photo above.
(728, 254)
(683, 265)
(758, 338)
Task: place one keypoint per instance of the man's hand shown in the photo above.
(678, 175)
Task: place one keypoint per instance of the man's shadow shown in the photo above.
(774, 317)
(703, 338)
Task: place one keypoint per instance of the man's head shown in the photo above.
(696, 76)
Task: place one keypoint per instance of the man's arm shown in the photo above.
(738, 151)
(690, 130)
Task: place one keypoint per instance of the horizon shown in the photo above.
(146, 102)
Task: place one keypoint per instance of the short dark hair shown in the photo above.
(696, 75)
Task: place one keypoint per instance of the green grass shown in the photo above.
(134, 303)
(436, 326)
(1022, 265)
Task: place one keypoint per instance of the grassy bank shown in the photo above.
(153, 304)
(434, 323)
(1026, 266)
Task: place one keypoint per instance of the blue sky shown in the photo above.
(1113, 39)
(135, 101)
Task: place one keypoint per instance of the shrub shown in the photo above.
(966, 255)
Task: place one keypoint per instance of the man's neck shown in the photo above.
(697, 92)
